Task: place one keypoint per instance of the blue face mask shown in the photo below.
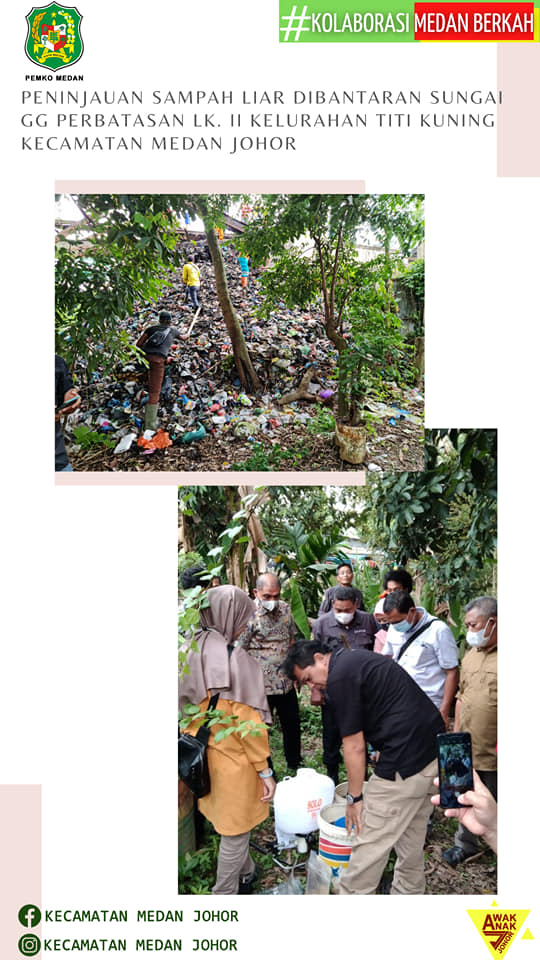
(402, 626)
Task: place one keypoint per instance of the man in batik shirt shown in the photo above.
(267, 638)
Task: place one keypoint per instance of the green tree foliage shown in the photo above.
(376, 350)
(315, 507)
(398, 218)
(443, 518)
(412, 281)
(121, 255)
(297, 542)
(220, 524)
(118, 255)
(301, 558)
(204, 509)
(311, 240)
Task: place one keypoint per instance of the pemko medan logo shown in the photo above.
(499, 928)
(54, 36)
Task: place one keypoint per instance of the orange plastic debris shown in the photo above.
(159, 441)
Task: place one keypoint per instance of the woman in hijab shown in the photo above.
(241, 782)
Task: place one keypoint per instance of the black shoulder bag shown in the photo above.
(192, 759)
(410, 640)
(157, 337)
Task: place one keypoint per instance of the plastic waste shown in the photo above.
(244, 429)
(158, 441)
(192, 435)
(291, 887)
(125, 443)
(319, 876)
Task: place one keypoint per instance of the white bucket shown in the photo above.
(341, 792)
(335, 844)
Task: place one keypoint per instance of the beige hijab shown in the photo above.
(235, 676)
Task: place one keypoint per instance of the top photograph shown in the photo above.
(239, 332)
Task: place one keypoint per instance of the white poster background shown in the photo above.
(88, 676)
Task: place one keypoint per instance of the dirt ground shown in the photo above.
(475, 876)
(398, 447)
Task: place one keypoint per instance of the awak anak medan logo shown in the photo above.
(54, 36)
(499, 928)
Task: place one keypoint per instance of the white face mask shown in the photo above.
(344, 617)
(269, 604)
(478, 638)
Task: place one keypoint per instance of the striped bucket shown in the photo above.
(335, 845)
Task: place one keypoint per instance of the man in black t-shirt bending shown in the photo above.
(376, 701)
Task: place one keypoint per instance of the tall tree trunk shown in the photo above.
(242, 359)
(332, 331)
(418, 361)
(186, 539)
(254, 557)
(235, 557)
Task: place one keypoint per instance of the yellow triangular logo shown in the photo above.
(498, 928)
(527, 935)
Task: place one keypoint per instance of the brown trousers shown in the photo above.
(155, 376)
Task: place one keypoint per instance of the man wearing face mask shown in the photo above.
(267, 638)
(476, 709)
(426, 649)
(345, 626)
(344, 576)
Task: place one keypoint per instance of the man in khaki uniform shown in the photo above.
(476, 708)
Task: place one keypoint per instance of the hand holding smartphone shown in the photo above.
(66, 404)
(454, 755)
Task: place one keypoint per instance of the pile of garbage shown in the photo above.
(202, 395)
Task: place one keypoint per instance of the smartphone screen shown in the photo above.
(455, 767)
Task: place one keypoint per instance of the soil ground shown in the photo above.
(397, 447)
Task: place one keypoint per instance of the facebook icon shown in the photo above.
(29, 915)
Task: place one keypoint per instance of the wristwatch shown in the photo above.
(350, 799)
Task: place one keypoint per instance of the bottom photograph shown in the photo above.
(337, 665)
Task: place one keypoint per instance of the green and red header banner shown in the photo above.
(389, 21)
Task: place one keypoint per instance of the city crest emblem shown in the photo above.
(54, 36)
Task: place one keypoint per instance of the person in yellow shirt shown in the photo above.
(241, 782)
(191, 276)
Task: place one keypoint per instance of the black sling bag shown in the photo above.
(192, 759)
(410, 640)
